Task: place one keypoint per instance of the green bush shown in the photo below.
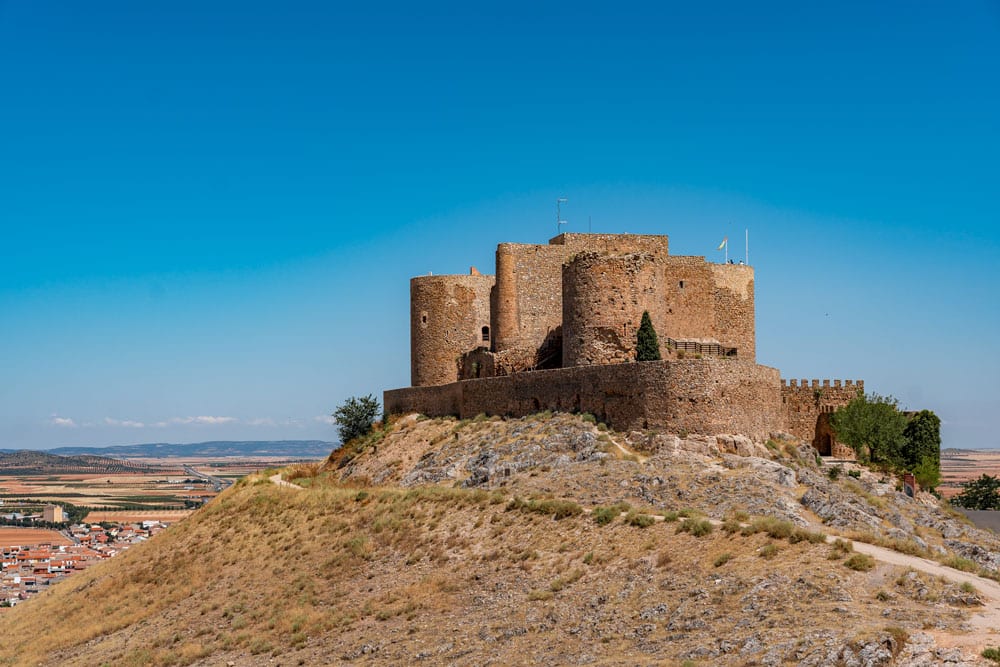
(722, 559)
(603, 515)
(768, 551)
(979, 494)
(961, 564)
(840, 549)
(696, 527)
(860, 562)
(991, 654)
(639, 520)
(558, 509)
(355, 416)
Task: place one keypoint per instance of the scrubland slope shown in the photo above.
(494, 542)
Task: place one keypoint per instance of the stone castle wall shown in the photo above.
(447, 317)
(735, 317)
(527, 303)
(699, 396)
(604, 296)
(481, 344)
(808, 406)
(653, 244)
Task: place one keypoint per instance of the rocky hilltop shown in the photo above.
(544, 540)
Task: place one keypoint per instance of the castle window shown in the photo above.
(681, 284)
(423, 319)
(486, 334)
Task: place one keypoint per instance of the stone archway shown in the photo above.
(824, 438)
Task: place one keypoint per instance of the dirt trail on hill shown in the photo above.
(628, 452)
(276, 479)
(985, 622)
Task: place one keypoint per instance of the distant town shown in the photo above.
(31, 568)
(61, 513)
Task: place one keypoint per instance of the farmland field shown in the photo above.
(959, 466)
(142, 489)
(13, 537)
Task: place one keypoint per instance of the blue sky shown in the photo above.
(210, 211)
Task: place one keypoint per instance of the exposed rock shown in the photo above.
(838, 509)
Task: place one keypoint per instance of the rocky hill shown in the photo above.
(546, 540)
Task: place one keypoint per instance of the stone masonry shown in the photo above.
(555, 329)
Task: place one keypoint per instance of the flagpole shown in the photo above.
(746, 255)
(727, 250)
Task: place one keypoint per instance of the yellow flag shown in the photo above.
(725, 240)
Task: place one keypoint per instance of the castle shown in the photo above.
(556, 329)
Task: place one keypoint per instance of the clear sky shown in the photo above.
(210, 211)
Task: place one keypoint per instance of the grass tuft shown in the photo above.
(860, 562)
(696, 527)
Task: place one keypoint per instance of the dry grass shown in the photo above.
(314, 576)
(329, 562)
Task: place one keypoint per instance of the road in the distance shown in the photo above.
(218, 482)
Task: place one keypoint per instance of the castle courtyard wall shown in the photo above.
(698, 396)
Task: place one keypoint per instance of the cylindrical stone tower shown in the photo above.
(449, 316)
(603, 300)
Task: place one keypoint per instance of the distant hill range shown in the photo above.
(287, 449)
(28, 462)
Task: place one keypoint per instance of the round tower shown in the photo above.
(449, 316)
(604, 297)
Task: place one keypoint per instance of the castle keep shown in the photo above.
(556, 328)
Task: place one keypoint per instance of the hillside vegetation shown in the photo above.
(544, 540)
(29, 462)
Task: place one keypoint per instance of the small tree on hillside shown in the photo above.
(872, 426)
(927, 473)
(980, 494)
(355, 416)
(647, 344)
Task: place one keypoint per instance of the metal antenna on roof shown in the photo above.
(559, 220)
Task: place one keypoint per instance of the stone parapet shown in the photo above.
(709, 396)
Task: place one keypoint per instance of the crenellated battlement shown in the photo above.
(808, 406)
(847, 385)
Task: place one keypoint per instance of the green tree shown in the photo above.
(647, 344)
(355, 416)
(872, 426)
(979, 494)
(923, 438)
(927, 473)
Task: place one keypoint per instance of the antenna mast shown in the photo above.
(559, 221)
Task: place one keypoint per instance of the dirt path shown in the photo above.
(276, 479)
(985, 621)
(628, 452)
